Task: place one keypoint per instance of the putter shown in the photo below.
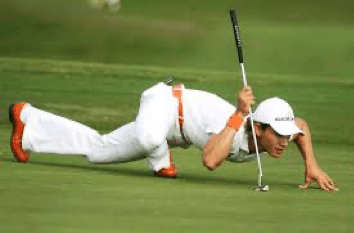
(236, 29)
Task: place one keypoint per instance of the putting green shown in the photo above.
(56, 193)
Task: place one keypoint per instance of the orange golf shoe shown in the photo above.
(170, 172)
(17, 132)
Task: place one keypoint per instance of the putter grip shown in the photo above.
(237, 34)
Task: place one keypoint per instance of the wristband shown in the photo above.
(235, 121)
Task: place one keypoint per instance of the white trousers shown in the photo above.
(146, 137)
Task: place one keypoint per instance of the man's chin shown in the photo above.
(276, 154)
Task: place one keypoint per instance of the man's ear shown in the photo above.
(258, 129)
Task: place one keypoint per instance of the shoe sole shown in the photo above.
(11, 115)
(167, 177)
(14, 141)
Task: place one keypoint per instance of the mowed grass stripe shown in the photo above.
(138, 72)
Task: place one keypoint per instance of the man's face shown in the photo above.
(272, 142)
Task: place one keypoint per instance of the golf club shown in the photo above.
(238, 41)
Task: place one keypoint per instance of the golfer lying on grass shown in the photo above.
(172, 116)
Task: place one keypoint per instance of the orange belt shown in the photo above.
(177, 93)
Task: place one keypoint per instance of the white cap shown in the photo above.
(278, 114)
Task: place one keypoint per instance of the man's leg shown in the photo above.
(157, 114)
(119, 146)
(48, 133)
(45, 132)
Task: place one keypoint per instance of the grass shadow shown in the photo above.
(184, 177)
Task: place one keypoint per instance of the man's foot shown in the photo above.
(17, 132)
(170, 172)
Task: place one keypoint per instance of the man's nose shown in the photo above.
(284, 141)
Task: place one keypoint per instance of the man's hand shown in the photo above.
(320, 177)
(245, 100)
(313, 171)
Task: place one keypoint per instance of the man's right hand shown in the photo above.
(245, 100)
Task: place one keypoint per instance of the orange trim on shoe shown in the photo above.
(17, 132)
(170, 172)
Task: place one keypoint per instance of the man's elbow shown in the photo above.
(209, 164)
(301, 123)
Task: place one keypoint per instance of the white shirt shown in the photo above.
(206, 114)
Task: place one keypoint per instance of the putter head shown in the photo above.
(262, 188)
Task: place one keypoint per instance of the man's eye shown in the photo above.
(282, 136)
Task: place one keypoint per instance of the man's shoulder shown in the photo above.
(207, 97)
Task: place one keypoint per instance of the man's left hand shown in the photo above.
(320, 177)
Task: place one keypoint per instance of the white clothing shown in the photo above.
(206, 114)
(155, 129)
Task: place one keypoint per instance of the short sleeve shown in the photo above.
(218, 115)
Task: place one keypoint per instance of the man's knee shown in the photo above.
(150, 141)
(96, 152)
(95, 159)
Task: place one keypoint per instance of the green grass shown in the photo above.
(67, 194)
(299, 37)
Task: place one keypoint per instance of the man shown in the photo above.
(172, 117)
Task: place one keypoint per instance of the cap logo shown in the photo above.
(284, 118)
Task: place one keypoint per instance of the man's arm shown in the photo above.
(218, 146)
(312, 171)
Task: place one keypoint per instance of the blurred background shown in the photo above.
(280, 37)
